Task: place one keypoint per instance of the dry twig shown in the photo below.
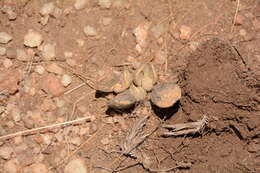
(235, 17)
(31, 131)
(75, 88)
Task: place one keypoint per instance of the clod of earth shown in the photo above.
(165, 95)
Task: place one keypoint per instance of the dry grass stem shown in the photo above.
(75, 88)
(235, 17)
(32, 131)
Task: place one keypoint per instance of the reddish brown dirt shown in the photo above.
(218, 69)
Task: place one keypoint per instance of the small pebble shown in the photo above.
(90, 31)
(160, 57)
(6, 152)
(33, 39)
(193, 45)
(76, 141)
(118, 3)
(104, 3)
(80, 4)
(39, 168)
(54, 68)
(242, 32)
(44, 20)
(9, 11)
(57, 12)
(10, 84)
(82, 108)
(48, 51)
(39, 69)
(159, 30)
(253, 147)
(7, 63)
(80, 42)
(52, 85)
(11, 53)
(106, 20)
(84, 131)
(5, 38)
(2, 51)
(22, 55)
(2, 109)
(105, 141)
(16, 114)
(66, 80)
(48, 105)
(256, 24)
(71, 62)
(68, 54)
(185, 32)
(76, 166)
(11, 166)
(240, 19)
(47, 139)
(10, 124)
(141, 33)
(59, 102)
(18, 140)
(47, 8)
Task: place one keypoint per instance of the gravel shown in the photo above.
(66, 80)
(185, 32)
(39, 69)
(76, 166)
(22, 55)
(104, 3)
(47, 8)
(48, 52)
(6, 152)
(80, 4)
(10, 12)
(11, 53)
(2, 51)
(33, 39)
(7, 63)
(5, 38)
(90, 31)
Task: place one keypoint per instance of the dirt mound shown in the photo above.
(218, 83)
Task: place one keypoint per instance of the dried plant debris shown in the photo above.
(165, 95)
(135, 137)
(186, 128)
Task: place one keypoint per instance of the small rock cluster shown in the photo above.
(132, 88)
